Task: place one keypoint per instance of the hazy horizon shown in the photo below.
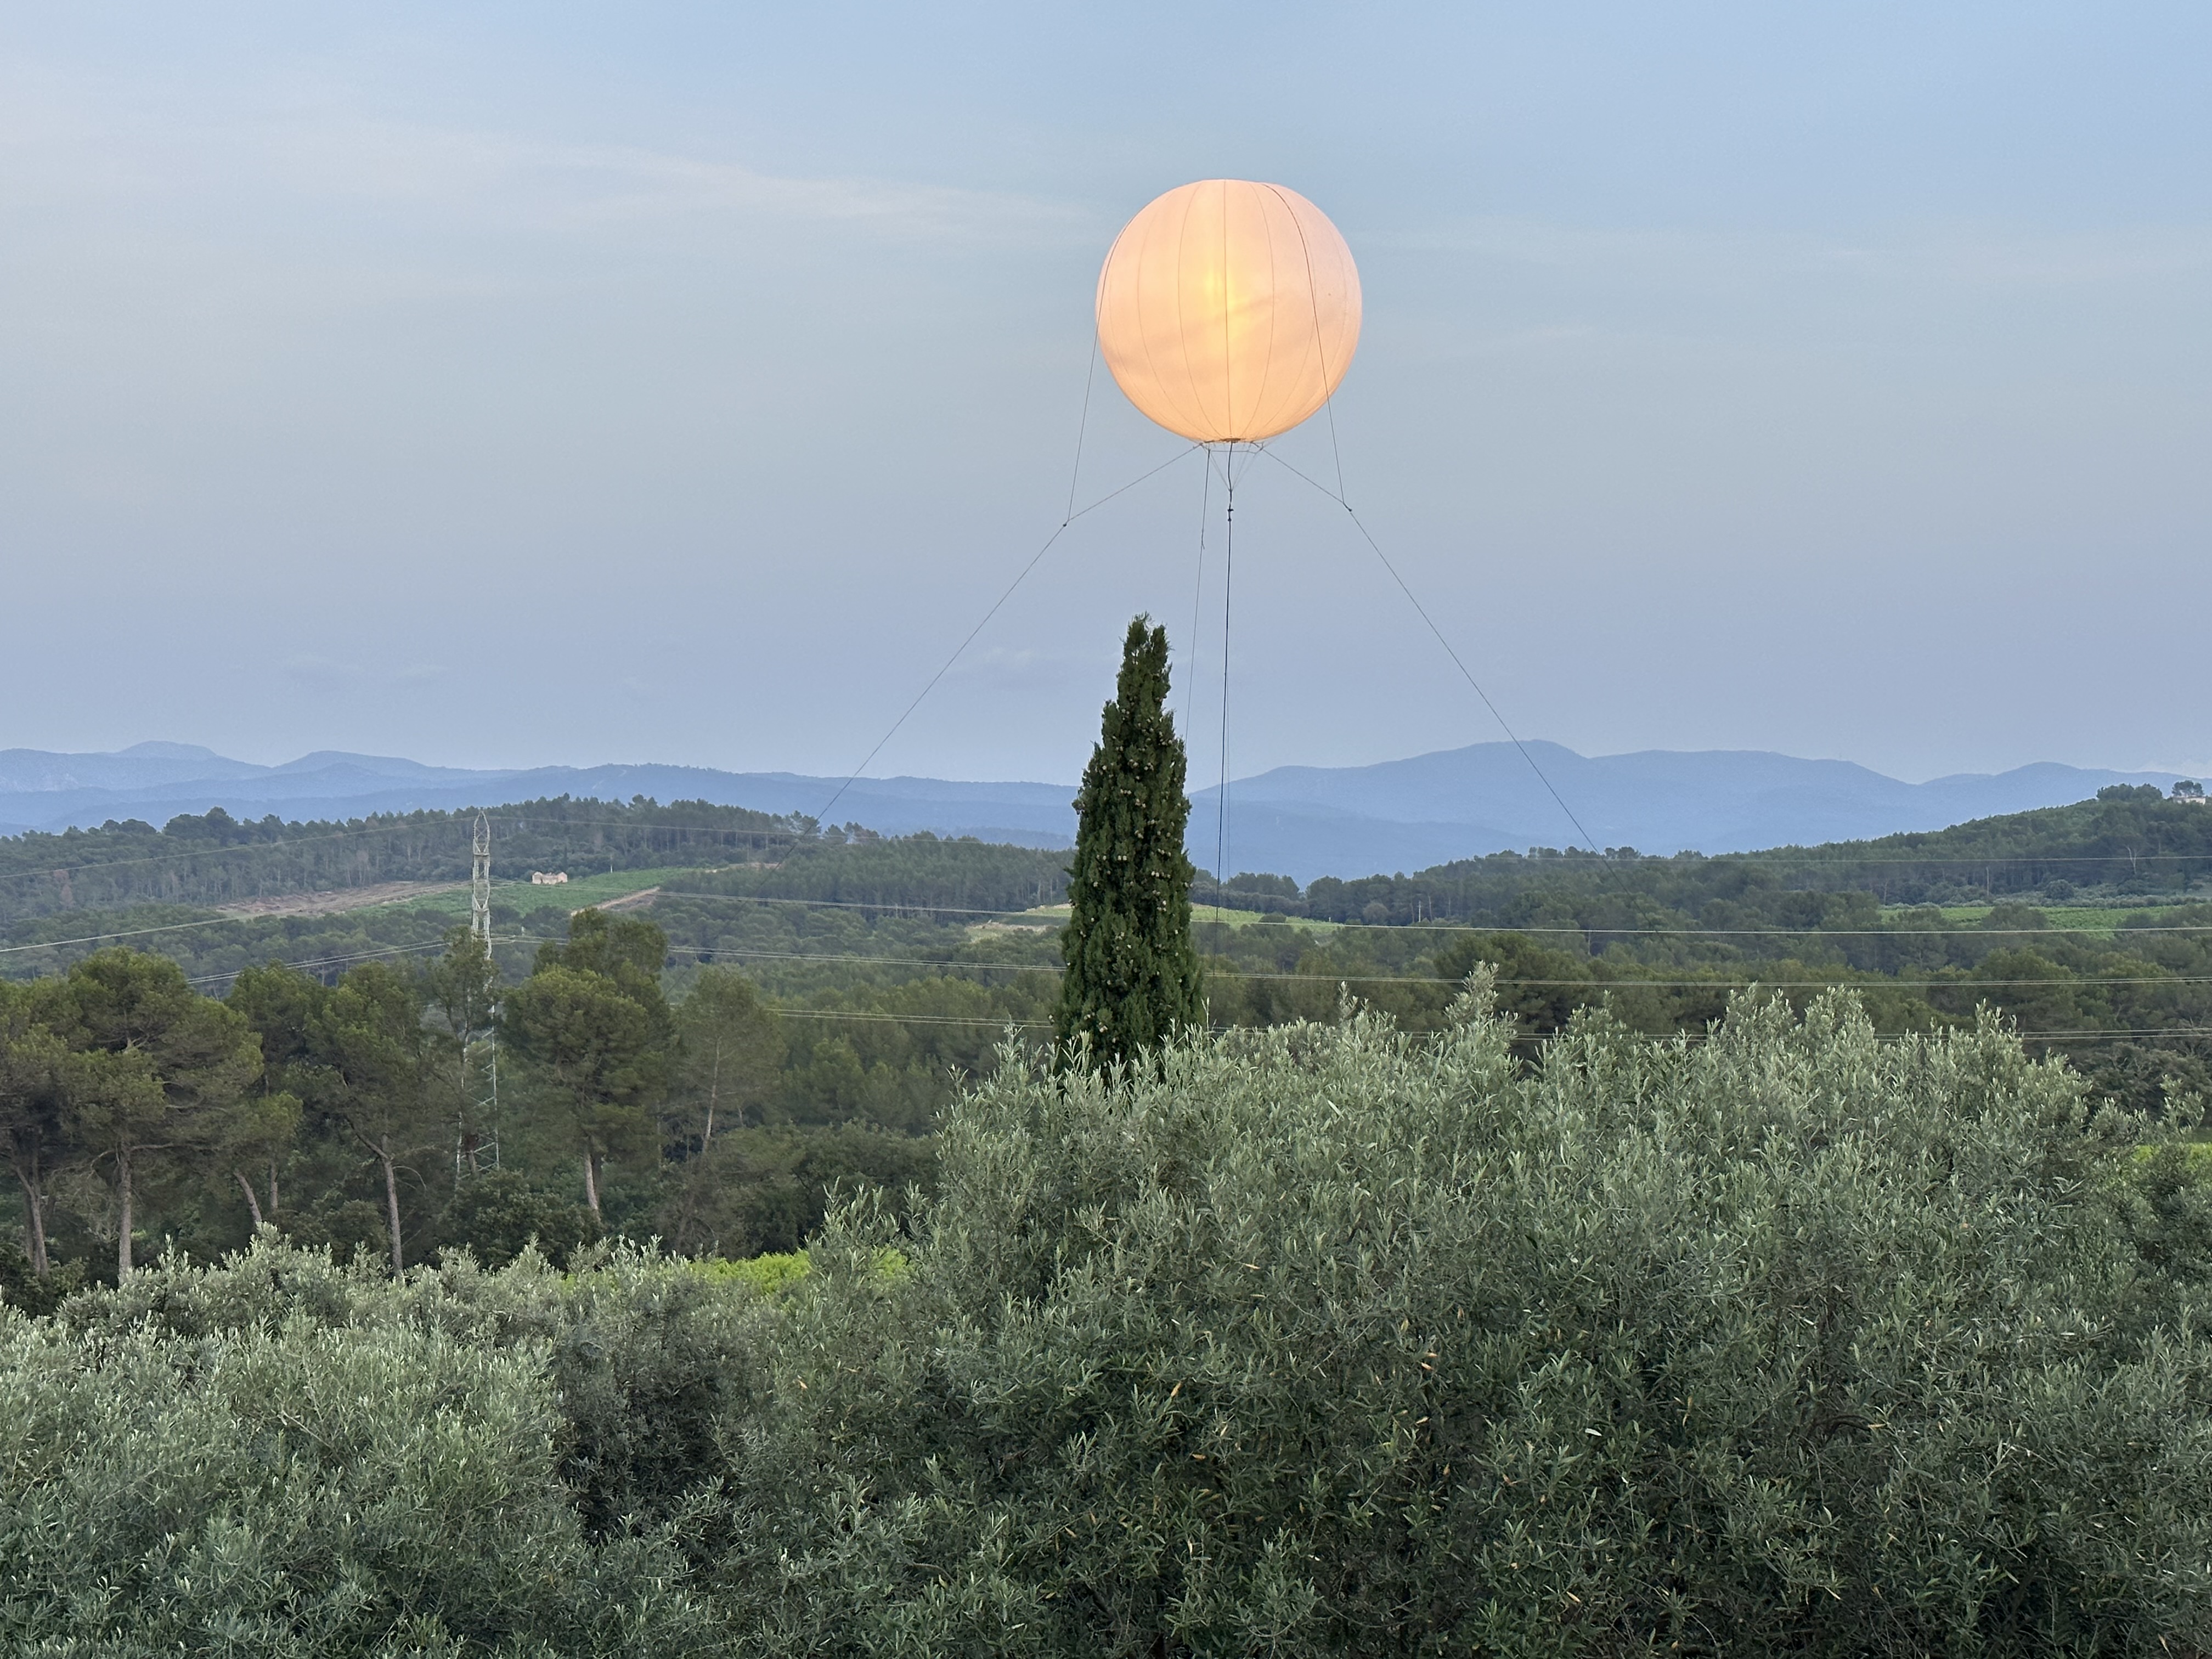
(501, 386)
(1197, 784)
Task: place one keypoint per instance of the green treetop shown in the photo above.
(1132, 975)
(592, 1024)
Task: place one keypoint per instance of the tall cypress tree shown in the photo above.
(1132, 974)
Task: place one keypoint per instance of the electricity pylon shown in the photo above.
(480, 883)
(475, 1151)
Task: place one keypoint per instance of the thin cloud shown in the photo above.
(78, 144)
(1963, 256)
(566, 186)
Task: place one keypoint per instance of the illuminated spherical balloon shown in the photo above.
(1229, 311)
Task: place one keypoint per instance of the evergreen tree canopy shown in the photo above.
(1132, 975)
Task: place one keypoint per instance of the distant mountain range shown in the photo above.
(1304, 821)
(155, 781)
(1298, 821)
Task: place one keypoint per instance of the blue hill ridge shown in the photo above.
(1298, 821)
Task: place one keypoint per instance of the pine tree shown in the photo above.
(1132, 974)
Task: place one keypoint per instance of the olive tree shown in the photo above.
(1324, 1341)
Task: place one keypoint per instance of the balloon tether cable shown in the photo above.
(1422, 611)
(1221, 788)
(1021, 576)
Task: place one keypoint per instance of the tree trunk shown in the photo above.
(123, 1220)
(592, 1180)
(391, 1209)
(713, 1097)
(34, 1223)
(272, 1186)
(252, 1199)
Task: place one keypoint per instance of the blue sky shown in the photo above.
(526, 384)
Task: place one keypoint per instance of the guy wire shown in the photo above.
(1083, 425)
(996, 606)
(1221, 789)
(1074, 478)
(1421, 611)
(1341, 497)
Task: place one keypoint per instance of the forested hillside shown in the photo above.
(2130, 844)
(214, 859)
(874, 975)
(1327, 1342)
(407, 1135)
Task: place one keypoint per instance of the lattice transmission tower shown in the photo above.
(480, 883)
(476, 1144)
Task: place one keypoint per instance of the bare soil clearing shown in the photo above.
(333, 902)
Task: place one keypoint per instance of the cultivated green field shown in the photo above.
(577, 893)
(1201, 916)
(2102, 920)
(1206, 915)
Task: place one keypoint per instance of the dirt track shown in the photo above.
(333, 902)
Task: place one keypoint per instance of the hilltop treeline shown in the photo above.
(897, 962)
(1324, 1342)
(2130, 843)
(213, 858)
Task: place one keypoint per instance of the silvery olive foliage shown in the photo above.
(1792, 1340)
(284, 1457)
(1315, 1341)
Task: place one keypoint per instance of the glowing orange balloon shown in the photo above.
(1228, 311)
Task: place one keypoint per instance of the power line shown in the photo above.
(880, 1017)
(740, 951)
(2115, 934)
(2100, 1034)
(132, 932)
(449, 819)
(324, 961)
(900, 909)
(914, 1019)
(1873, 979)
(1840, 864)
(354, 956)
(1693, 860)
(2085, 1035)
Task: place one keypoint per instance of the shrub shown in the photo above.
(304, 1491)
(497, 1215)
(761, 1190)
(1321, 1341)
(19, 1287)
(1792, 1340)
(289, 1455)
